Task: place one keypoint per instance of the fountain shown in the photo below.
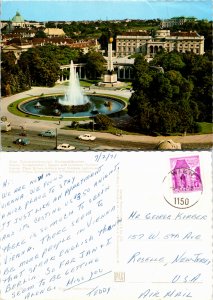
(73, 104)
(74, 95)
(74, 100)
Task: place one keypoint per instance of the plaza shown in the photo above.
(37, 125)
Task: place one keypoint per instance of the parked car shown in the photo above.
(87, 137)
(49, 133)
(22, 141)
(66, 147)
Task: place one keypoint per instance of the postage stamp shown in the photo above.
(185, 172)
(183, 187)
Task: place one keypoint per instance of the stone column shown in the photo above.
(79, 72)
(110, 62)
(201, 48)
(118, 72)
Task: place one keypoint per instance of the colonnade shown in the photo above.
(153, 49)
(123, 72)
(65, 72)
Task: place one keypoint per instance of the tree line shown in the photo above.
(172, 98)
(101, 29)
(40, 66)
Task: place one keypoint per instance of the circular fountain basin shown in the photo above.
(48, 107)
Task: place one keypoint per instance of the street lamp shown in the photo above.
(56, 138)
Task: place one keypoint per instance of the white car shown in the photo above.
(87, 137)
(66, 147)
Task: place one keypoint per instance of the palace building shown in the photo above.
(177, 21)
(130, 43)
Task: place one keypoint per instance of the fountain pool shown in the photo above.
(49, 107)
(73, 104)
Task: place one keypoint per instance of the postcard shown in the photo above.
(106, 75)
(82, 80)
(106, 225)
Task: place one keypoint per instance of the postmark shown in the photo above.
(183, 185)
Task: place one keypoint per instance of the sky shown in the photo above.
(71, 10)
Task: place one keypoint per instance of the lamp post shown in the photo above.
(56, 138)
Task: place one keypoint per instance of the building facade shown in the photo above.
(131, 43)
(178, 21)
(19, 45)
(19, 22)
(54, 32)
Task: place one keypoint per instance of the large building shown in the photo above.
(54, 32)
(177, 21)
(130, 43)
(18, 44)
(19, 22)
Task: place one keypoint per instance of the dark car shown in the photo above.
(48, 133)
(22, 141)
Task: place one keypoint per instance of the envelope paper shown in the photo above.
(106, 225)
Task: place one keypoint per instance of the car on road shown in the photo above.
(48, 133)
(66, 147)
(87, 137)
(22, 141)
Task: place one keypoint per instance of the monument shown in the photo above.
(110, 76)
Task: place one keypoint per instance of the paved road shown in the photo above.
(39, 125)
(38, 143)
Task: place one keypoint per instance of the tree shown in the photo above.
(199, 70)
(160, 89)
(103, 40)
(41, 66)
(142, 74)
(40, 34)
(140, 108)
(169, 61)
(103, 121)
(13, 78)
(64, 54)
(95, 64)
(162, 102)
(165, 118)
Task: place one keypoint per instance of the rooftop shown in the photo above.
(18, 18)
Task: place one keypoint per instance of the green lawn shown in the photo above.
(88, 83)
(84, 83)
(206, 127)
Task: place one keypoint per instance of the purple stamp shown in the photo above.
(183, 185)
(185, 172)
